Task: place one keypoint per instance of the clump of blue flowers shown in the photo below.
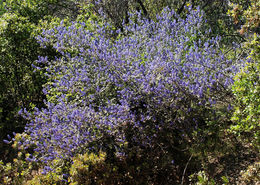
(149, 86)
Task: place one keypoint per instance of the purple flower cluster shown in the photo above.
(154, 74)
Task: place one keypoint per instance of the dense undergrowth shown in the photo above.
(156, 99)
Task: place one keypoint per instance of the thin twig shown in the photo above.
(184, 171)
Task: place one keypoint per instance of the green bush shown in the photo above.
(19, 85)
(246, 116)
(88, 169)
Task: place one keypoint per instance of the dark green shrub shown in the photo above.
(19, 85)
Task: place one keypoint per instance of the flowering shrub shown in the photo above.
(139, 95)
